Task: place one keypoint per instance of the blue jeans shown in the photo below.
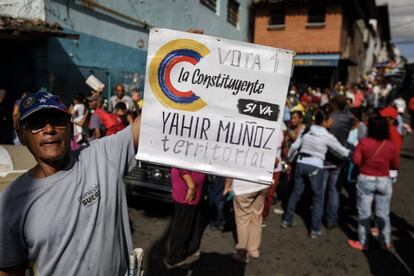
(314, 175)
(330, 181)
(368, 189)
(216, 202)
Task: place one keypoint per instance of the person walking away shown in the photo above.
(343, 120)
(312, 148)
(185, 234)
(119, 96)
(375, 156)
(68, 214)
(248, 205)
(391, 115)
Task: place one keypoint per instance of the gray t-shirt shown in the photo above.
(74, 222)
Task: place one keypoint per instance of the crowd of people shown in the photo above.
(93, 116)
(349, 136)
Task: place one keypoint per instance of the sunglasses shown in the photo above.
(36, 125)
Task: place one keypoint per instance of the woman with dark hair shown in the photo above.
(375, 156)
(312, 148)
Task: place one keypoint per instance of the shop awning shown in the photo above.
(317, 60)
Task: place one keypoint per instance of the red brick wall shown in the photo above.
(296, 35)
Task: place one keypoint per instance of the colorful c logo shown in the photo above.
(176, 51)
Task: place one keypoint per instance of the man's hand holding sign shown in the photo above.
(213, 105)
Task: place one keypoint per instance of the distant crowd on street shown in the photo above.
(93, 116)
(347, 137)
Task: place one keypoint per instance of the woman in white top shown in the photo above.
(312, 147)
(248, 207)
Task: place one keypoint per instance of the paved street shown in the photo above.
(290, 251)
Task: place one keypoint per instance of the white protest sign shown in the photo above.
(213, 105)
(94, 83)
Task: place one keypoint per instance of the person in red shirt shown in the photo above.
(375, 156)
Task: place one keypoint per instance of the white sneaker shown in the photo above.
(278, 211)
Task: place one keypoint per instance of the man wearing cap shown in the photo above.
(68, 214)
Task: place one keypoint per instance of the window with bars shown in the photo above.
(277, 17)
(316, 15)
(211, 4)
(233, 12)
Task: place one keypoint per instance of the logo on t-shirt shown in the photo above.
(90, 196)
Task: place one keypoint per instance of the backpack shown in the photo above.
(111, 121)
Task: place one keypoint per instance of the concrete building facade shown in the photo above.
(334, 40)
(111, 38)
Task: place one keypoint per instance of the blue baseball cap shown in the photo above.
(39, 101)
